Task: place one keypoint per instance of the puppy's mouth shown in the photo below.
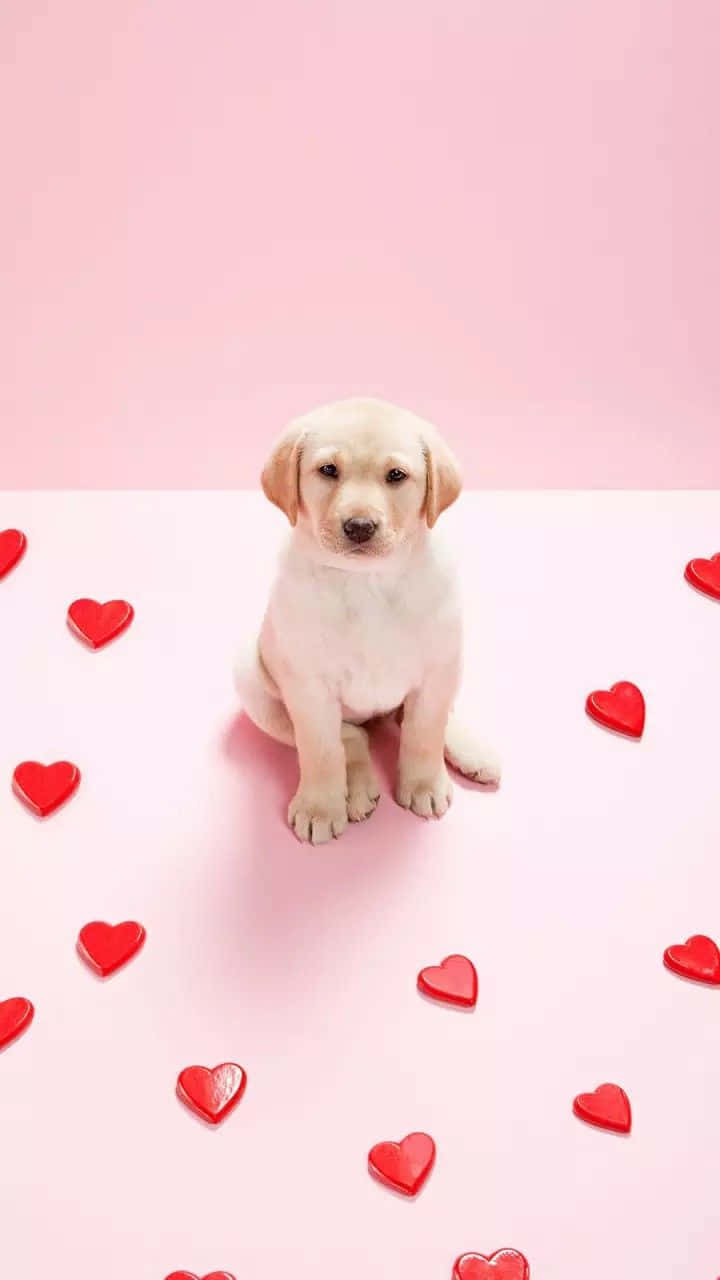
(376, 548)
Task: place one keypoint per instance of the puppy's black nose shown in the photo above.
(359, 529)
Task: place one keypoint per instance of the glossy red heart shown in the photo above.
(621, 708)
(12, 546)
(454, 982)
(506, 1264)
(96, 623)
(107, 947)
(15, 1017)
(212, 1093)
(608, 1108)
(705, 575)
(44, 787)
(697, 958)
(190, 1275)
(404, 1166)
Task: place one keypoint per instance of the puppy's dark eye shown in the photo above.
(395, 476)
(329, 470)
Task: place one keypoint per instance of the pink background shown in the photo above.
(564, 887)
(215, 215)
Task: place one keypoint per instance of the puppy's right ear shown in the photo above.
(281, 473)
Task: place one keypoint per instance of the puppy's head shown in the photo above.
(361, 477)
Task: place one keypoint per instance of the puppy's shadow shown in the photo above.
(277, 902)
(274, 766)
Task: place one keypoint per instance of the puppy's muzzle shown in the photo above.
(359, 529)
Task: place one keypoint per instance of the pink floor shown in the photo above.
(564, 887)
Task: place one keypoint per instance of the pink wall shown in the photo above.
(504, 214)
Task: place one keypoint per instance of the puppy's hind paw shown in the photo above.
(472, 759)
(363, 792)
(482, 766)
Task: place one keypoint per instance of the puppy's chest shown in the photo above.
(373, 672)
(370, 648)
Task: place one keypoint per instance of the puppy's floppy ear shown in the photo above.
(281, 473)
(444, 481)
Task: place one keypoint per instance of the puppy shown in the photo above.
(364, 617)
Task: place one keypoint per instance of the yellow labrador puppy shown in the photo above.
(364, 616)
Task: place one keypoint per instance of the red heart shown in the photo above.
(405, 1165)
(15, 1017)
(454, 981)
(107, 947)
(212, 1093)
(190, 1275)
(12, 545)
(97, 624)
(621, 708)
(608, 1108)
(44, 787)
(506, 1264)
(698, 958)
(705, 575)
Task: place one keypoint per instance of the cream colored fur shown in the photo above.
(355, 631)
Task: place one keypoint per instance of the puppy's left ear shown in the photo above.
(281, 473)
(444, 480)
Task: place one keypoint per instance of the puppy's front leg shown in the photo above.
(423, 784)
(318, 811)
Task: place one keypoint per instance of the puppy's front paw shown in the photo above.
(425, 794)
(318, 816)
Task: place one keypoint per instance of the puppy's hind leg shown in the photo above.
(468, 756)
(266, 710)
(363, 791)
